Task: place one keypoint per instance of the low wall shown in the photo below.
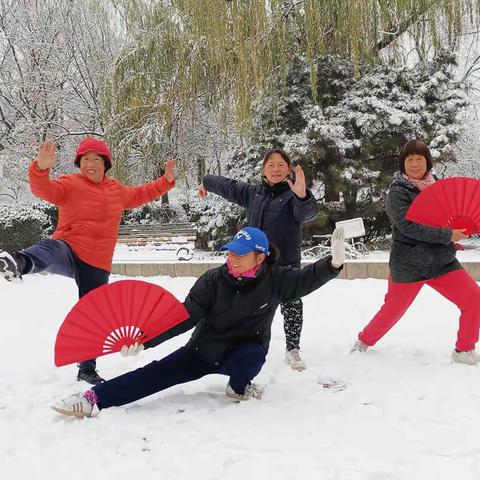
(352, 270)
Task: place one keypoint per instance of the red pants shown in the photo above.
(457, 286)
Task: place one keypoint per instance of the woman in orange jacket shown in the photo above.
(90, 206)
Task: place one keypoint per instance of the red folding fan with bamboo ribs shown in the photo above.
(114, 315)
(453, 202)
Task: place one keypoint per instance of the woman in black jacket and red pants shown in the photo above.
(280, 205)
(232, 309)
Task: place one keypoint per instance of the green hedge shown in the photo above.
(24, 224)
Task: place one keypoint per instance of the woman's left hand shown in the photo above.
(338, 247)
(299, 188)
(170, 170)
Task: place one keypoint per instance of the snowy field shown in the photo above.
(400, 411)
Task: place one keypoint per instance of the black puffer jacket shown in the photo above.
(418, 252)
(227, 311)
(275, 210)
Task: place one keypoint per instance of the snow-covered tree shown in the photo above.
(55, 55)
(349, 139)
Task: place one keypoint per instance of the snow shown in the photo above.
(400, 411)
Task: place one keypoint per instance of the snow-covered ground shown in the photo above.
(400, 411)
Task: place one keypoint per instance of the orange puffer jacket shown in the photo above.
(89, 213)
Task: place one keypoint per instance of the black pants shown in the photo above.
(55, 256)
(241, 364)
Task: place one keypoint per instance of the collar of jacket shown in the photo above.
(87, 180)
(243, 282)
(401, 181)
(277, 188)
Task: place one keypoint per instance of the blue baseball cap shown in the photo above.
(247, 240)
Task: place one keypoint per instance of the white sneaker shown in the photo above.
(359, 346)
(251, 391)
(470, 357)
(75, 406)
(292, 358)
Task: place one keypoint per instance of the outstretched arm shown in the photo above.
(231, 190)
(197, 304)
(298, 283)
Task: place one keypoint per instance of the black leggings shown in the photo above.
(292, 322)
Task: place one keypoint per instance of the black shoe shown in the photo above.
(89, 376)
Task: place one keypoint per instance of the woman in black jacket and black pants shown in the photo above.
(279, 206)
(232, 309)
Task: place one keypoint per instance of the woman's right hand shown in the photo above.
(458, 234)
(46, 156)
(202, 191)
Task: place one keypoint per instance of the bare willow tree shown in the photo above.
(54, 56)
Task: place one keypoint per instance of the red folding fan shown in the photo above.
(452, 202)
(121, 313)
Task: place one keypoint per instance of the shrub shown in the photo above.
(22, 225)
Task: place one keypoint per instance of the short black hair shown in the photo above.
(415, 147)
(280, 152)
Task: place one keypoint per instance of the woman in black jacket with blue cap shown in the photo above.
(232, 309)
(280, 205)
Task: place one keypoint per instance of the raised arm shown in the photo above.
(305, 207)
(136, 196)
(232, 190)
(53, 191)
(398, 203)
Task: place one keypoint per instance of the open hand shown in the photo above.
(299, 188)
(46, 156)
(170, 166)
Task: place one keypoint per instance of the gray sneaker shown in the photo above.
(292, 358)
(469, 357)
(359, 346)
(251, 391)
